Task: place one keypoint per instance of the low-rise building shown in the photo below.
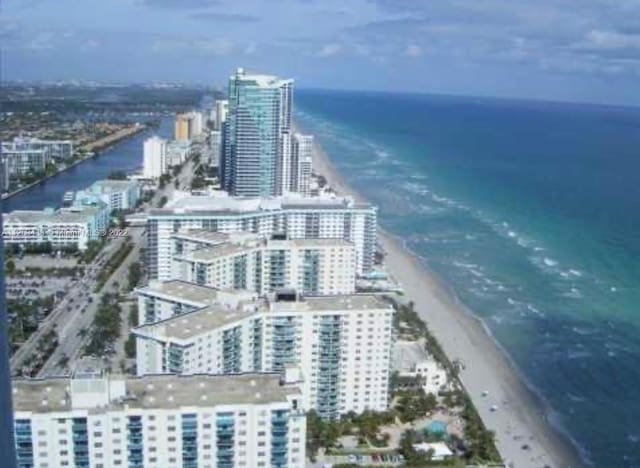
(416, 365)
(257, 263)
(119, 195)
(74, 226)
(340, 345)
(97, 420)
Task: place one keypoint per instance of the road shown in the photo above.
(59, 315)
(81, 316)
(78, 308)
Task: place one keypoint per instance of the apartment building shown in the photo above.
(289, 217)
(340, 344)
(195, 421)
(263, 265)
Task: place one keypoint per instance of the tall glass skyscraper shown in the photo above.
(256, 134)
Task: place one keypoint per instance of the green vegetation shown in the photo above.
(135, 275)
(479, 442)
(163, 201)
(112, 264)
(365, 426)
(164, 178)
(92, 250)
(25, 315)
(199, 180)
(105, 329)
(412, 405)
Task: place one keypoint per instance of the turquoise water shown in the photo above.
(531, 212)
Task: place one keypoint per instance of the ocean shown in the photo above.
(530, 212)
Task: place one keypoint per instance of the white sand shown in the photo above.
(520, 417)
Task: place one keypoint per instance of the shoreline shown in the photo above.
(522, 417)
(103, 146)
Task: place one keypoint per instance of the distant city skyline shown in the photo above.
(569, 50)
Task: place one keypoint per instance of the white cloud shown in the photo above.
(329, 50)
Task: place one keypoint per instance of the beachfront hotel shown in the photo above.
(257, 126)
(340, 345)
(257, 263)
(288, 217)
(204, 421)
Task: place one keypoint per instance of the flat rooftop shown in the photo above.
(50, 216)
(191, 324)
(214, 237)
(158, 391)
(219, 203)
(193, 293)
(185, 326)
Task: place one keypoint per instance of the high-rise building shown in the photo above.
(155, 157)
(220, 113)
(97, 420)
(259, 115)
(341, 345)
(215, 142)
(301, 163)
(183, 127)
(290, 217)
(262, 265)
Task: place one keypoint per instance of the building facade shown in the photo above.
(290, 217)
(119, 195)
(198, 421)
(262, 265)
(74, 226)
(340, 346)
(301, 163)
(155, 157)
(259, 116)
(21, 162)
(58, 150)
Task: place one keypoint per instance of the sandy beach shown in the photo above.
(524, 436)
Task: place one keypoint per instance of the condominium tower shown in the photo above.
(290, 217)
(197, 421)
(340, 345)
(261, 264)
(258, 120)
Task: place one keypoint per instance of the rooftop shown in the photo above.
(157, 391)
(195, 323)
(221, 204)
(198, 322)
(196, 294)
(51, 216)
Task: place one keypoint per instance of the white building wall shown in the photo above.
(155, 155)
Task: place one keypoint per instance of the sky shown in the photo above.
(569, 50)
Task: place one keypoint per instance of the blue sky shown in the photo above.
(584, 50)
